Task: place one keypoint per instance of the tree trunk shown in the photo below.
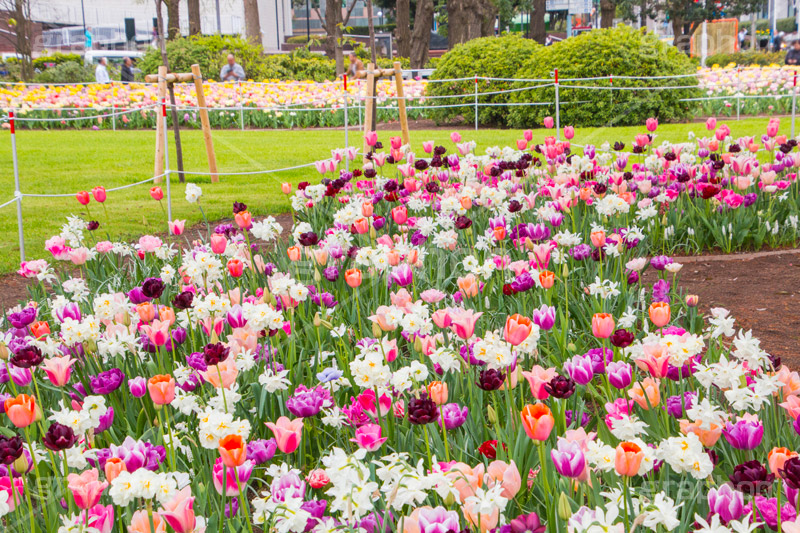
(608, 10)
(174, 110)
(372, 49)
(173, 18)
(22, 44)
(752, 31)
(252, 24)
(421, 37)
(681, 40)
(333, 12)
(194, 17)
(538, 32)
(403, 12)
(489, 15)
(456, 25)
(643, 14)
(474, 16)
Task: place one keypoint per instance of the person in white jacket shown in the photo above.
(101, 72)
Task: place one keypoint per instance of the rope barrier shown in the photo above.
(13, 200)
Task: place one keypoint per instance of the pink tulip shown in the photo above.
(569, 132)
(711, 123)
(772, 127)
(528, 135)
(537, 378)
(455, 137)
(86, 488)
(427, 146)
(58, 369)
(101, 517)
(651, 124)
(507, 475)
(178, 512)
(464, 322)
(548, 122)
(176, 226)
(368, 437)
(395, 142)
(442, 318)
(371, 137)
(400, 214)
(157, 332)
(522, 144)
(218, 243)
(287, 433)
(99, 194)
(655, 360)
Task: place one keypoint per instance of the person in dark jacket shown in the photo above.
(793, 55)
(127, 71)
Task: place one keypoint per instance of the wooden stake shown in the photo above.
(162, 93)
(401, 102)
(370, 102)
(201, 103)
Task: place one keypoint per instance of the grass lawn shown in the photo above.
(71, 161)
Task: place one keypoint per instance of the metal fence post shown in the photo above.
(113, 109)
(17, 193)
(558, 108)
(346, 133)
(476, 103)
(738, 92)
(166, 157)
(794, 101)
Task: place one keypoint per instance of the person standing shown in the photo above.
(232, 71)
(101, 72)
(355, 65)
(126, 75)
(793, 55)
(88, 36)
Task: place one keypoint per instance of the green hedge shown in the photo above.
(747, 58)
(786, 25)
(492, 57)
(56, 59)
(620, 51)
(209, 52)
(68, 72)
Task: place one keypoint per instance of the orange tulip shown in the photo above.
(776, 459)
(161, 389)
(499, 233)
(547, 278)
(166, 314)
(537, 421)
(21, 410)
(353, 277)
(146, 311)
(438, 392)
(646, 393)
(598, 238)
(114, 467)
(232, 450)
(602, 325)
(518, 328)
(708, 437)
(659, 314)
(469, 285)
(294, 253)
(628, 459)
(39, 329)
(243, 219)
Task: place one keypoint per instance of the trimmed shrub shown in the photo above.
(492, 57)
(69, 72)
(620, 51)
(209, 52)
(786, 25)
(747, 58)
(300, 64)
(53, 60)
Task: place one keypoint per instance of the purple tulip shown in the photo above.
(544, 317)
(179, 335)
(70, 310)
(24, 318)
(598, 361)
(568, 458)
(620, 374)
(580, 369)
(744, 434)
(236, 317)
(136, 296)
(105, 421)
(107, 382)
(135, 454)
(660, 262)
(308, 402)
(726, 502)
(454, 415)
(21, 377)
(260, 451)
(402, 275)
(316, 508)
(138, 386)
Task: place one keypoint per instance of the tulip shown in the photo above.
(745, 434)
(244, 219)
(711, 123)
(86, 488)
(463, 322)
(235, 267)
(569, 132)
(655, 360)
(287, 433)
(548, 122)
(776, 459)
(438, 392)
(293, 253)
(157, 332)
(232, 450)
(176, 226)
(507, 475)
(518, 329)
(468, 285)
(58, 369)
(545, 316)
(438, 520)
(178, 512)
(620, 374)
(230, 480)
(628, 459)
(156, 193)
(218, 243)
(651, 124)
(83, 197)
(569, 459)
(21, 410)
(580, 368)
(162, 389)
(537, 421)
(353, 277)
(645, 393)
(547, 279)
(369, 437)
(99, 194)
(371, 137)
(659, 314)
(286, 188)
(726, 502)
(400, 214)
(113, 468)
(602, 325)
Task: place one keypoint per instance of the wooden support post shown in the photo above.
(172, 77)
(370, 105)
(206, 124)
(160, 133)
(401, 102)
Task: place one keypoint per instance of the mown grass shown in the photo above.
(70, 161)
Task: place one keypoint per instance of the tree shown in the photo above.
(421, 37)
(21, 33)
(608, 10)
(252, 24)
(194, 17)
(334, 23)
(173, 18)
(403, 14)
(469, 19)
(538, 32)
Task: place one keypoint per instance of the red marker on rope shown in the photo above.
(556, 72)
(795, 78)
(344, 77)
(12, 122)
(164, 108)
(611, 79)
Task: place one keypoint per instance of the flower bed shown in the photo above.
(748, 82)
(442, 342)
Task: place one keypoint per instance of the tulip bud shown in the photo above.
(326, 324)
(317, 320)
(21, 464)
(491, 415)
(3, 352)
(571, 347)
(376, 330)
(450, 500)
(417, 345)
(565, 270)
(564, 508)
(373, 234)
(691, 301)
(37, 417)
(317, 276)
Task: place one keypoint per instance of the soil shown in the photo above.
(760, 289)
